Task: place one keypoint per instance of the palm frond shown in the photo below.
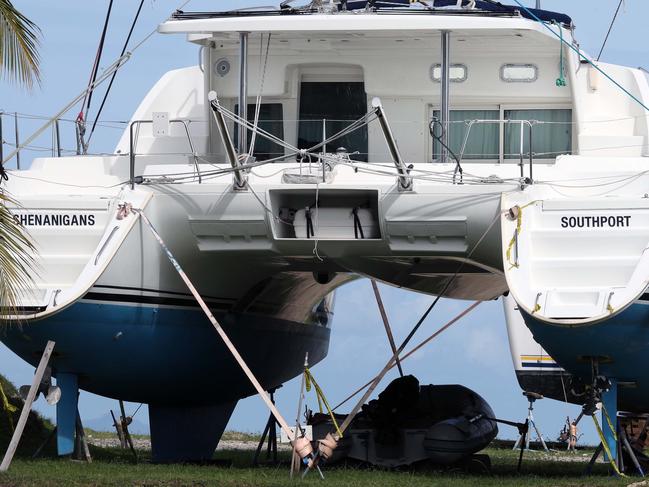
(16, 259)
(19, 58)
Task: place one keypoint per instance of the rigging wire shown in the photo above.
(610, 28)
(432, 305)
(100, 50)
(583, 56)
(253, 137)
(112, 78)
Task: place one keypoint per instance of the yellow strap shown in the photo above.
(321, 397)
(8, 407)
(519, 224)
(607, 450)
(610, 423)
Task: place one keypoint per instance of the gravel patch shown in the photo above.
(145, 444)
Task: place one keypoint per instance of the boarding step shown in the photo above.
(575, 260)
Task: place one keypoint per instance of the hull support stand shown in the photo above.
(609, 419)
(27, 407)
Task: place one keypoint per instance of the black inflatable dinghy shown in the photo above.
(409, 423)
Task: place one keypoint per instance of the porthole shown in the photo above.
(458, 73)
(519, 73)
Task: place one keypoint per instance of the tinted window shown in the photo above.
(327, 108)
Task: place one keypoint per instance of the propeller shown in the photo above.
(51, 393)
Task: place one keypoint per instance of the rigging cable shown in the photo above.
(610, 28)
(393, 360)
(81, 124)
(582, 56)
(112, 78)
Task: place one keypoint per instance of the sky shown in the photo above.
(474, 352)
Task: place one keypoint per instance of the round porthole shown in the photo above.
(222, 67)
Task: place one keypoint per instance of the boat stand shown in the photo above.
(27, 407)
(270, 433)
(622, 445)
(81, 444)
(524, 439)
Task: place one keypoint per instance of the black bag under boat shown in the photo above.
(409, 423)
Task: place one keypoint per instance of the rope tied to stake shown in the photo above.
(310, 381)
(607, 450)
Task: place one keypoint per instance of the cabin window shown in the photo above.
(328, 107)
(458, 73)
(483, 142)
(549, 139)
(271, 119)
(519, 73)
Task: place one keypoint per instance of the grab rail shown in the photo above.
(133, 142)
(529, 123)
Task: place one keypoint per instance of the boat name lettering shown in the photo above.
(595, 221)
(55, 219)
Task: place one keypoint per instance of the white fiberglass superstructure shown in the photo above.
(311, 146)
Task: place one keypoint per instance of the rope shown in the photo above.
(610, 423)
(607, 450)
(519, 223)
(217, 326)
(310, 381)
(582, 56)
(561, 80)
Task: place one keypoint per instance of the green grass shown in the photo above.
(114, 467)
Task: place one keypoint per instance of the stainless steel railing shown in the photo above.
(529, 123)
(135, 124)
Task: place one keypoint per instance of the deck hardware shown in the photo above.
(230, 151)
(524, 181)
(105, 244)
(133, 138)
(405, 182)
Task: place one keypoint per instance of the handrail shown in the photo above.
(133, 141)
(529, 123)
